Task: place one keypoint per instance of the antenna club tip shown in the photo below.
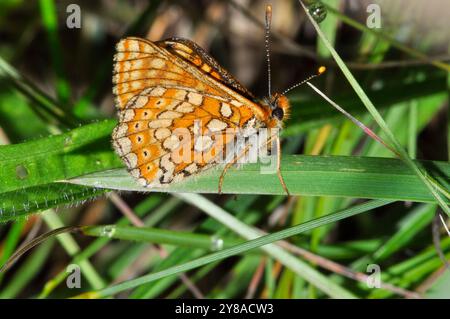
(268, 14)
(321, 70)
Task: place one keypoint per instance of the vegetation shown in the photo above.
(57, 166)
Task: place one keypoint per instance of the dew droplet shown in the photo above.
(98, 162)
(108, 231)
(318, 11)
(21, 172)
(216, 243)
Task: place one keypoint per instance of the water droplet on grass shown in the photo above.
(108, 231)
(21, 172)
(318, 11)
(216, 243)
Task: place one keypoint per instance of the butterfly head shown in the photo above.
(279, 106)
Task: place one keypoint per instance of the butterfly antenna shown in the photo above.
(320, 70)
(267, 44)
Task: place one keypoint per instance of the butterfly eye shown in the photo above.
(278, 113)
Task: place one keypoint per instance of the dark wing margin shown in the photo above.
(191, 52)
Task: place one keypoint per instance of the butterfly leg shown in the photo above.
(228, 165)
(280, 177)
(222, 176)
(236, 158)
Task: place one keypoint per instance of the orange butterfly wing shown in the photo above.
(159, 88)
(193, 53)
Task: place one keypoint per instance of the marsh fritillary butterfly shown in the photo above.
(161, 87)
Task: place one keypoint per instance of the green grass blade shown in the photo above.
(80, 151)
(27, 271)
(361, 177)
(17, 204)
(383, 36)
(376, 115)
(252, 244)
(416, 221)
(298, 266)
(311, 112)
(158, 236)
(49, 109)
(71, 247)
(50, 22)
(29, 170)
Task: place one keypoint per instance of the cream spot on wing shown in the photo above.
(225, 110)
(157, 63)
(123, 145)
(126, 66)
(120, 131)
(162, 133)
(136, 85)
(119, 56)
(169, 115)
(167, 104)
(185, 107)
(192, 168)
(134, 75)
(137, 64)
(167, 163)
(160, 123)
(159, 173)
(116, 79)
(117, 67)
(126, 115)
(133, 45)
(135, 173)
(236, 103)
(171, 143)
(121, 45)
(202, 143)
(131, 160)
(216, 125)
(147, 48)
(141, 101)
(195, 98)
(159, 91)
(168, 168)
(132, 55)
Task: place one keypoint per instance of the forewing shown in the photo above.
(194, 54)
(157, 98)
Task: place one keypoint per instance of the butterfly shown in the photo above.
(164, 86)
